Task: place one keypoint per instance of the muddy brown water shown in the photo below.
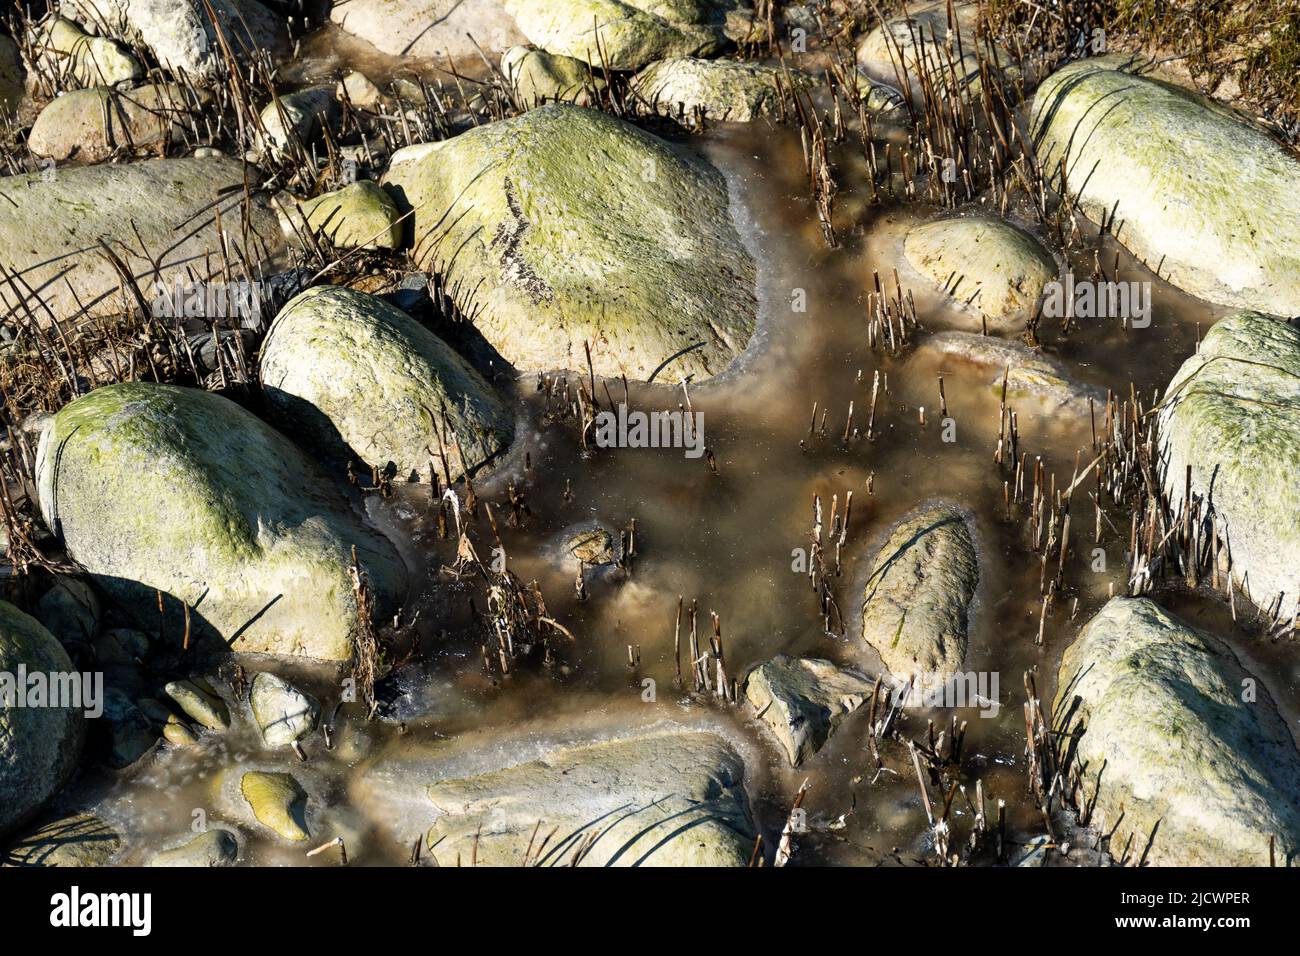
(726, 540)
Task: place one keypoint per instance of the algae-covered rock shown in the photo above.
(453, 30)
(1232, 413)
(89, 125)
(72, 841)
(50, 224)
(721, 89)
(200, 703)
(803, 700)
(991, 266)
(658, 795)
(1187, 764)
(278, 803)
(624, 34)
(39, 745)
(91, 60)
(1203, 197)
(284, 714)
(214, 847)
(878, 97)
(917, 598)
(158, 488)
(566, 225)
(540, 77)
(360, 215)
(357, 377)
(181, 35)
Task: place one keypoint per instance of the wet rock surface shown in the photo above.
(1198, 776)
(803, 701)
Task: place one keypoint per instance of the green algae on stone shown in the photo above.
(993, 267)
(357, 377)
(301, 116)
(49, 226)
(278, 802)
(199, 704)
(803, 700)
(566, 225)
(722, 89)
(91, 60)
(160, 488)
(1205, 198)
(917, 598)
(78, 840)
(624, 34)
(1232, 413)
(594, 546)
(39, 746)
(539, 77)
(360, 215)
(1185, 763)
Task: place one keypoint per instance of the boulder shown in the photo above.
(628, 34)
(51, 224)
(358, 378)
(90, 125)
(430, 29)
(360, 215)
(540, 77)
(721, 89)
(39, 746)
(90, 60)
(159, 488)
(1205, 198)
(803, 699)
(921, 39)
(658, 795)
(302, 116)
(78, 840)
(917, 599)
(1232, 413)
(201, 703)
(1029, 374)
(992, 267)
(1196, 773)
(278, 802)
(70, 611)
(284, 714)
(180, 34)
(566, 225)
(215, 847)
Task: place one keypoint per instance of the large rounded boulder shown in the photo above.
(39, 743)
(359, 378)
(1205, 198)
(156, 488)
(1231, 414)
(1194, 760)
(566, 227)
